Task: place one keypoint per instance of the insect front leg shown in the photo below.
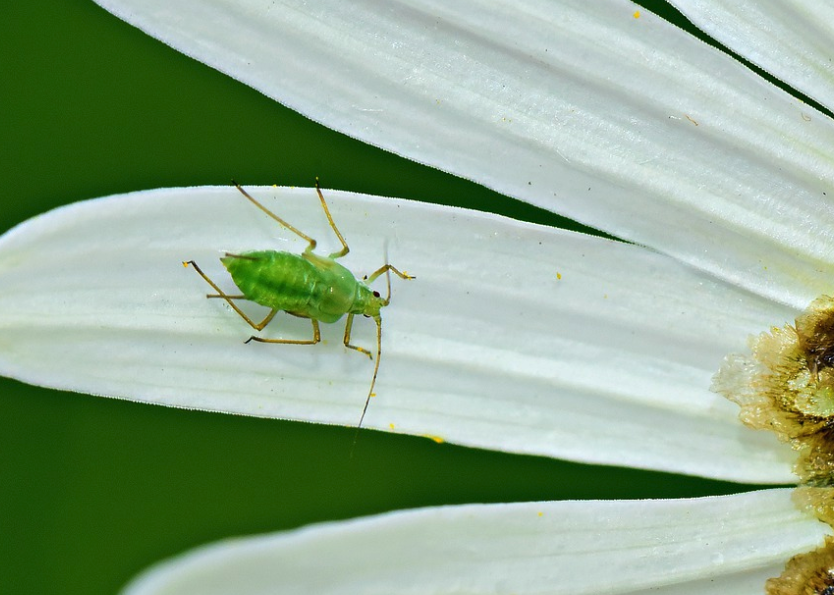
(387, 269)
(348, 328)
(384, 269)
(316, 337)
(255, 325)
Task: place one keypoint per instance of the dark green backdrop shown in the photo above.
(93, 490)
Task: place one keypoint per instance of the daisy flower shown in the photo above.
(516, 337)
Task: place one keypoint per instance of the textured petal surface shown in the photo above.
(719, 545)
(595, 110)
(513, 336)
(790, 39)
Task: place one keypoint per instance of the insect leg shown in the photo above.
(299, 233)
(345, 248)
(316, 337)
(348, 328)
(257, 326)
(386, 269)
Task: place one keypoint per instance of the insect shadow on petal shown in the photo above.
(305, 285)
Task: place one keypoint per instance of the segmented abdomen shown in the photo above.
(293, 283)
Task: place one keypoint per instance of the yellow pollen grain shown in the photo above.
(636, 14)
(559, 276)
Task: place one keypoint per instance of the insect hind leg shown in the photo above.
(316, 337)
(220, 294)
(312, 243)
(335, 229)
(295, 230)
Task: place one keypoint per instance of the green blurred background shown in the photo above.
(93, 490)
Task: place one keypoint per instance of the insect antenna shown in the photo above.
(386, 268)
(378, 321)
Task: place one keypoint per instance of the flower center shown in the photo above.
(786, 385)
(806, 574)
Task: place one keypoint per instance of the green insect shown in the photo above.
(305, 285)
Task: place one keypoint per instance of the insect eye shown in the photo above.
(376, 294)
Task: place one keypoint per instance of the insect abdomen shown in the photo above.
(273, 279)
(307, 285)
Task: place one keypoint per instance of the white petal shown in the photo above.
(628, 124)
(791, 39)
(720, 545)
(513, 336)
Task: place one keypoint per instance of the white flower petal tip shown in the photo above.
(513, 336)
(790, 39)
(627, 124)
(717, 545)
